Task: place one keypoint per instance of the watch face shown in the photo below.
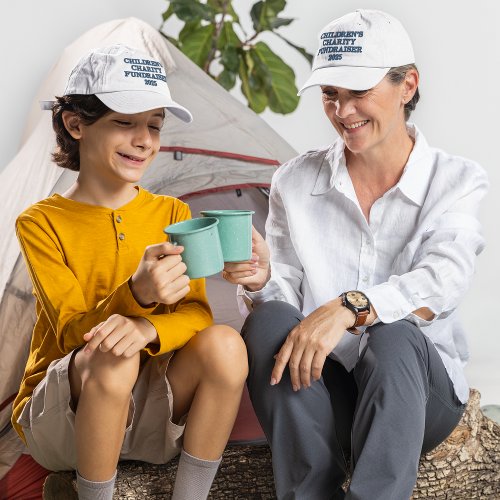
(357, 299)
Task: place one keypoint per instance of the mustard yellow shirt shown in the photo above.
(80, 258)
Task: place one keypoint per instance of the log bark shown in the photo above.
(465, 466)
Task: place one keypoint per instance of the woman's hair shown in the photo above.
(396, 76)
(89, 109)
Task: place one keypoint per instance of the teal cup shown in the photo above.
(202, 251)
(235, 233)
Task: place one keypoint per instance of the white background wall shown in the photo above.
(456, 46)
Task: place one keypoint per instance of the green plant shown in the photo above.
(212, 32)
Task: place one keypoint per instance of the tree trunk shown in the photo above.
(465, 466)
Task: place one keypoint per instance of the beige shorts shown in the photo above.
(48, 420)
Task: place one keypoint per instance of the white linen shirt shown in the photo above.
(417, 250)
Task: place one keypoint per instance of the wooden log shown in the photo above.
(245, 472)
(465, 466)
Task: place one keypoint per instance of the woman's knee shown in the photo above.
(222, 354)
(268, 325)
(395, 339)
(393, 348)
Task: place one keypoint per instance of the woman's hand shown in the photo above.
(254, 273)
(310, 342)
(160, 275)
(120, 335)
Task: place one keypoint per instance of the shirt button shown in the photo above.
(365, 279)
(119, 218)
(121, 236)
(395, 315)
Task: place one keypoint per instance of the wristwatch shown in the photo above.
(359, 304)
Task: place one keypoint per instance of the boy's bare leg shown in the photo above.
(101, 385)
(207, 377)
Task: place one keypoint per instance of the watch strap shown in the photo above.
(361, 317)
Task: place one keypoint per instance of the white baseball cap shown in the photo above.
(357, 50)
(126, 80)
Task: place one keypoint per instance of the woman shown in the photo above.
(371, 245)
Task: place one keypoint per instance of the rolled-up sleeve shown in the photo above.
(443, 264)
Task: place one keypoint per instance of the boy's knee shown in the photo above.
(109, 374)
(223, 352)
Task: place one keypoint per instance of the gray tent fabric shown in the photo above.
(224, 159)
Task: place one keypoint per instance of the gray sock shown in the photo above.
(93, 490)
(194, 477)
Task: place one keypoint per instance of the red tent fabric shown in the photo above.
(24, 481)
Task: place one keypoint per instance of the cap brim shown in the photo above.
(346, 77)
(136, 101)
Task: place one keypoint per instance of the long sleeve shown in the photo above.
(186, 318)
(443, 264)
(60, 294)
(80, 258)
(286, 269)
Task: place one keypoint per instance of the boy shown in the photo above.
(125, 362)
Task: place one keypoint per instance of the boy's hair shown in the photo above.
(89, 109)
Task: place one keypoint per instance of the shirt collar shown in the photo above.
(413, 183)
(329, 171)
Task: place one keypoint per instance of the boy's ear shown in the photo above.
(72, 124)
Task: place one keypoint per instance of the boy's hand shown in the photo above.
(160, 275)
(254, 273)
(121, 335)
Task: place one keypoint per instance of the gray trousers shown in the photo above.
(397, 403)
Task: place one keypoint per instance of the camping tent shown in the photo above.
(224, 159)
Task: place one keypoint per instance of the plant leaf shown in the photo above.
(224, 6)
(280, 21)
(258, 17)
(227, 79)
(192, 10)
(257, 99)
(264, 15)
(197, 44)
(188, 29)
(281, 88)
(217, 5)
(228, 36)
(303, 51)
(230, 59)
(276, 6)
